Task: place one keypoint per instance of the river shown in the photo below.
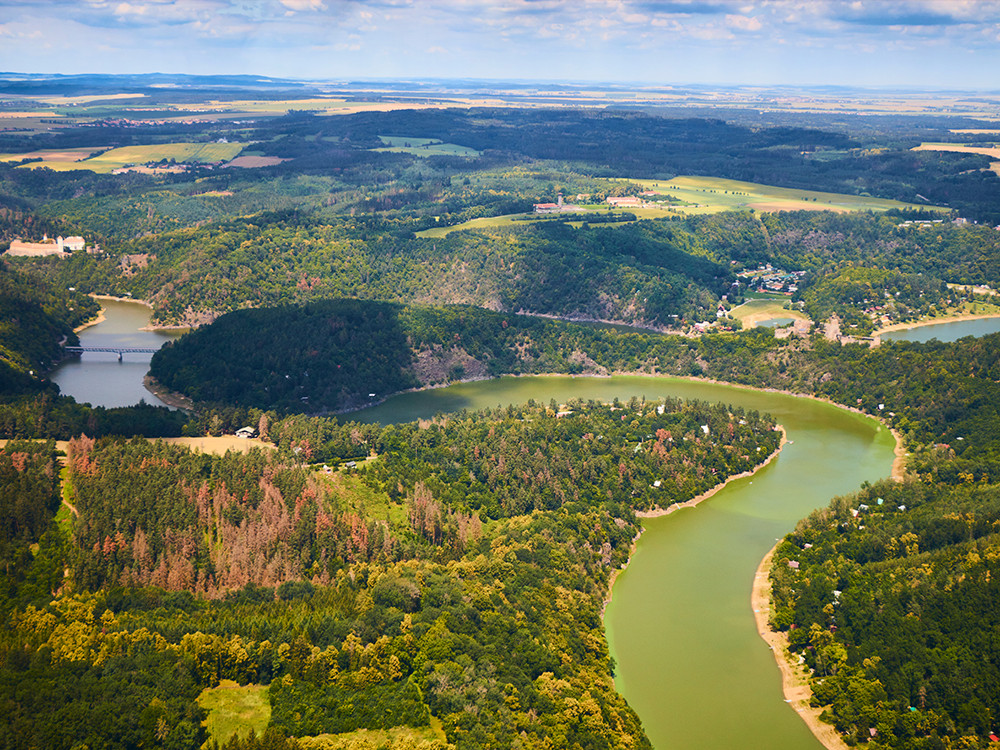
(98, 377)
(679, 625)
(951, 331)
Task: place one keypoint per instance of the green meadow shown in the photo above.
(232, 708)
(424, 147)
(707, 195)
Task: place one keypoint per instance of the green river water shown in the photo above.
(679, 624)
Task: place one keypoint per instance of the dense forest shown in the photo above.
(453, 563)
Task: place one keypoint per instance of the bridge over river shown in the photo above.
(119, 350)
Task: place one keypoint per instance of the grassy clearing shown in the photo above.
(117, 158)
(755, 311)
(700, 195)
(348, 491)
(232, 708)
(424, 738)
(706, 195)
(403, 144)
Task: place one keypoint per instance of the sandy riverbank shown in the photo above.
(794, 678)
(167, 396)
(674, 507)
(877, 335)
(100, 313)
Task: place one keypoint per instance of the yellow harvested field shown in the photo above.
(962, 148)
(219, 445)
(16, 115)
(60, 155)
(62, 101)
(117, 158)
(974, 131)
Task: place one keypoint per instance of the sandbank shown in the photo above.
(877, 335)
(167, 396)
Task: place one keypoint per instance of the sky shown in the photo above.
(876, 43)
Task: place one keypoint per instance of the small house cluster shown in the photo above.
(766, 278)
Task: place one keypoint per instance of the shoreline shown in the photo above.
(170, 398)
(794, 680)
(692, 503)
(877, 335)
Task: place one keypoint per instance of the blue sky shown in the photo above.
(920, 43)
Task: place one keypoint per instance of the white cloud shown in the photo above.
(299, 5)
(743, 23)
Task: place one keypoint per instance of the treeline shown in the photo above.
(365, 599)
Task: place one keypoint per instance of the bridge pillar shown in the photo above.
(120, 356)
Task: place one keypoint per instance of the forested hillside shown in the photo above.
(454, 565)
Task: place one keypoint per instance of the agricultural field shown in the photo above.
(709, 195)
(402, 144)
(574, 219)
(232, 708)
(66, 155)
(986, 149)
(117, 158)
(698, 195)
(219, 446)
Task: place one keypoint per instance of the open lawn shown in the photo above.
(706, 195)
(755, 311)
(182, 153)
(424, 147)
(232, 708)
